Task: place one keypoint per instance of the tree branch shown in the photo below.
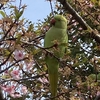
(23, 79)
(94, 33)
(6, 59)
(12, 65)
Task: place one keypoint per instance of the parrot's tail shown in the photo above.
(53, 78)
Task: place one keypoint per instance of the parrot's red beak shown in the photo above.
(52, 22)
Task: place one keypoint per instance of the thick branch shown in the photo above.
(95, 34)
(71, 10)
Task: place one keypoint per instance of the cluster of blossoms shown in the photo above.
(18, 55)
(11, 90)
(14, 89)
(14, 75)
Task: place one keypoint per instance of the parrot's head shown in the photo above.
(59, 21)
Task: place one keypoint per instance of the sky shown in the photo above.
(36, 9)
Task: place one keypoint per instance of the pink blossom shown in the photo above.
(90, 5)
(19, 55)
(3, 87)
(24, 90)
(80, 28)
(98, 93)
(89, 87)
(15, 74)
(8, 89)
(6, 72)
(77, 83)
(15, 95)
(11, 91)
(99, 17)
(29, 65)
(43, 80)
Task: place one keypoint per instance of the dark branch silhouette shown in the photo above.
(97, 97)
(94, 33)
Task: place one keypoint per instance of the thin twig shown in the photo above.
(6, 59)
(11, 65)
(8, 31)
(23, 79)
(1, 6)
(51, 8)
(20, 4)
(43, 48)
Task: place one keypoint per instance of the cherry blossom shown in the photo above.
(43, 80)
(29, 65)
(78, 84)
(11, 90)
(90, 5)
(15, 95)
(98, 93)
(15, 74)
(8, 89)
(6, 72)
(24, 90)
(18, 55)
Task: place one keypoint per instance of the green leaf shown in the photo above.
(7, 52)
(92, 77)
(18, 13)
(18, 38)
(98, 76)
(2, 13)
(30, 28)
(12, 6)
(36, 51)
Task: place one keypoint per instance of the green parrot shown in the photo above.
(55, 42)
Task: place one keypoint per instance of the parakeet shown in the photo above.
(55, 40)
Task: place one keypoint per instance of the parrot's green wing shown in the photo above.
(57, 36)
